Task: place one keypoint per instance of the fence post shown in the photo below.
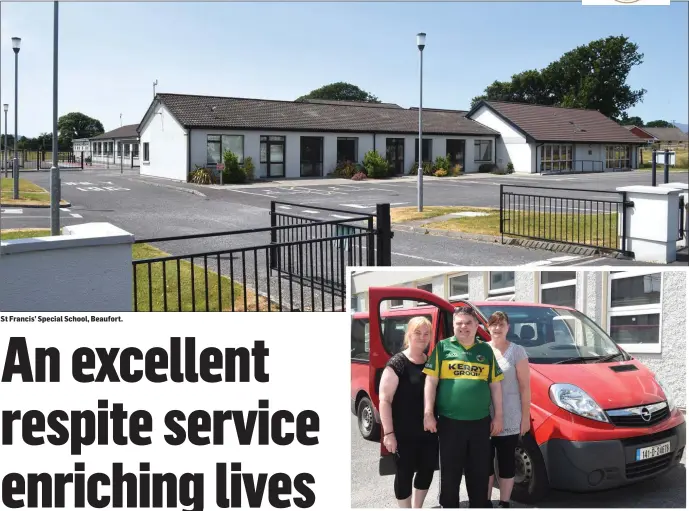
(653, 168)
(273, 236)
(666, 170)
(370, 244)
(82, 160)
(384, 238)
(625, 205)
(502, 235)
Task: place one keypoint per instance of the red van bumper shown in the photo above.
(601, 465)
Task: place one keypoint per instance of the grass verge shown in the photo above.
(189, 301)
(398, 215)
(30, 194)
(592, 229)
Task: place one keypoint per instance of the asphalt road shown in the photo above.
(149, 207)
(369, 490)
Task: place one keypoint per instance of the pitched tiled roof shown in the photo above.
(556, 124)
(350, 103)
(240, 113)
(667, 133)
(639, 128)
(128, 131)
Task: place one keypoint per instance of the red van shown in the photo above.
(600, 419)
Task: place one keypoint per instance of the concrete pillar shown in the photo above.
(478, 286)
(683, 192)
(525, 286)
(652, 224)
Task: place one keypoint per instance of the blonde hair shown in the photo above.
(413, 325)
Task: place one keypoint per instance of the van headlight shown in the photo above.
(668, 395)
(573, 399)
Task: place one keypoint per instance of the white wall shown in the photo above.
(512, 145)
(87, 269)
(167, 146)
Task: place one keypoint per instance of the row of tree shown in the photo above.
(69, 127)
(591, 76)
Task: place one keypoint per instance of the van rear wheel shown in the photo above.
(531, 477)
(368, 427)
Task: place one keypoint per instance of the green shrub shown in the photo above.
(201, 176)
(249, 168)
(232, 173)
(443, 162)
(427, 167)
(440, 173)
(456, 170)
(510, 168)
(346, 169)
(376, 166)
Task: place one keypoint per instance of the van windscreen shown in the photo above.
(553, 335)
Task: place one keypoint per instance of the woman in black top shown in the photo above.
(401, 412)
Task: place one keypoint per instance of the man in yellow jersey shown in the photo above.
(462, 377)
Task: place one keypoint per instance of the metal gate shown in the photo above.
(296, 264)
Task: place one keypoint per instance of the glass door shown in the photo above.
(311, 156)
(273, 156)
(455, 148)
(394, 149)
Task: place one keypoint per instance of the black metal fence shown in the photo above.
(296, 264)
(590, 218)
(682, 217)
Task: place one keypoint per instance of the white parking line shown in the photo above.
(358, 206)
(12, 211)
(284, 207)
(310, 211)
(341, 216)
(76, 215)
(423, 258)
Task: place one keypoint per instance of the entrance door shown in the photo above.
(455, 148)
(273, 156)
(311, 156)
(386, 335)
(394, 149)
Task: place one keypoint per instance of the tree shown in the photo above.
(635, 120)
(592, 76)
(77, 125)
(341, 91)
(660, 124)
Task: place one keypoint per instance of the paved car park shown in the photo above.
(369, 490)
(149, 207)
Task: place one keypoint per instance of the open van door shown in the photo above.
(390, 309)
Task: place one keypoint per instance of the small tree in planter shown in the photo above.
(232, 172)
(376, 166)
(248, 168)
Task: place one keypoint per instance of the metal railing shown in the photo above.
(589, 218)
(683, 214)
(296, 264)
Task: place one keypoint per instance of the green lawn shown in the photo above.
(29, 193)
(590, 229)
(198, 303)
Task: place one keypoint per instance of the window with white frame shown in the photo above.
(559, 288)
(458, 286)
(635, 311)
(501, 283)
(426, 286)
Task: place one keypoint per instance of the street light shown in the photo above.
(55, 169)
(5, 107)
(16, 43)
(421, 43)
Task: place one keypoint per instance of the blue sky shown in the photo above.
(111, 52)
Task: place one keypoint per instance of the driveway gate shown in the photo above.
(296, 264)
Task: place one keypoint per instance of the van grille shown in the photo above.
(642, 416)
(648, 467)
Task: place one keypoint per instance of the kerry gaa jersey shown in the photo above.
(464, 375)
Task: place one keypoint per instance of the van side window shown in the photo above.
(360, 340)
(394, 329)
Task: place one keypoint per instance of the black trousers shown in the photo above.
(505, 446)
(464, 448)
(415, 455)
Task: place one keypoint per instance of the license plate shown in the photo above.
(652, 451)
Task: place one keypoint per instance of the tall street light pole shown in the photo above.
(16, 44)
(5, 107)
(421, 43)
(55, 169)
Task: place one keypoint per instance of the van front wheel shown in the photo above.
(368, 427)
(531, 478)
